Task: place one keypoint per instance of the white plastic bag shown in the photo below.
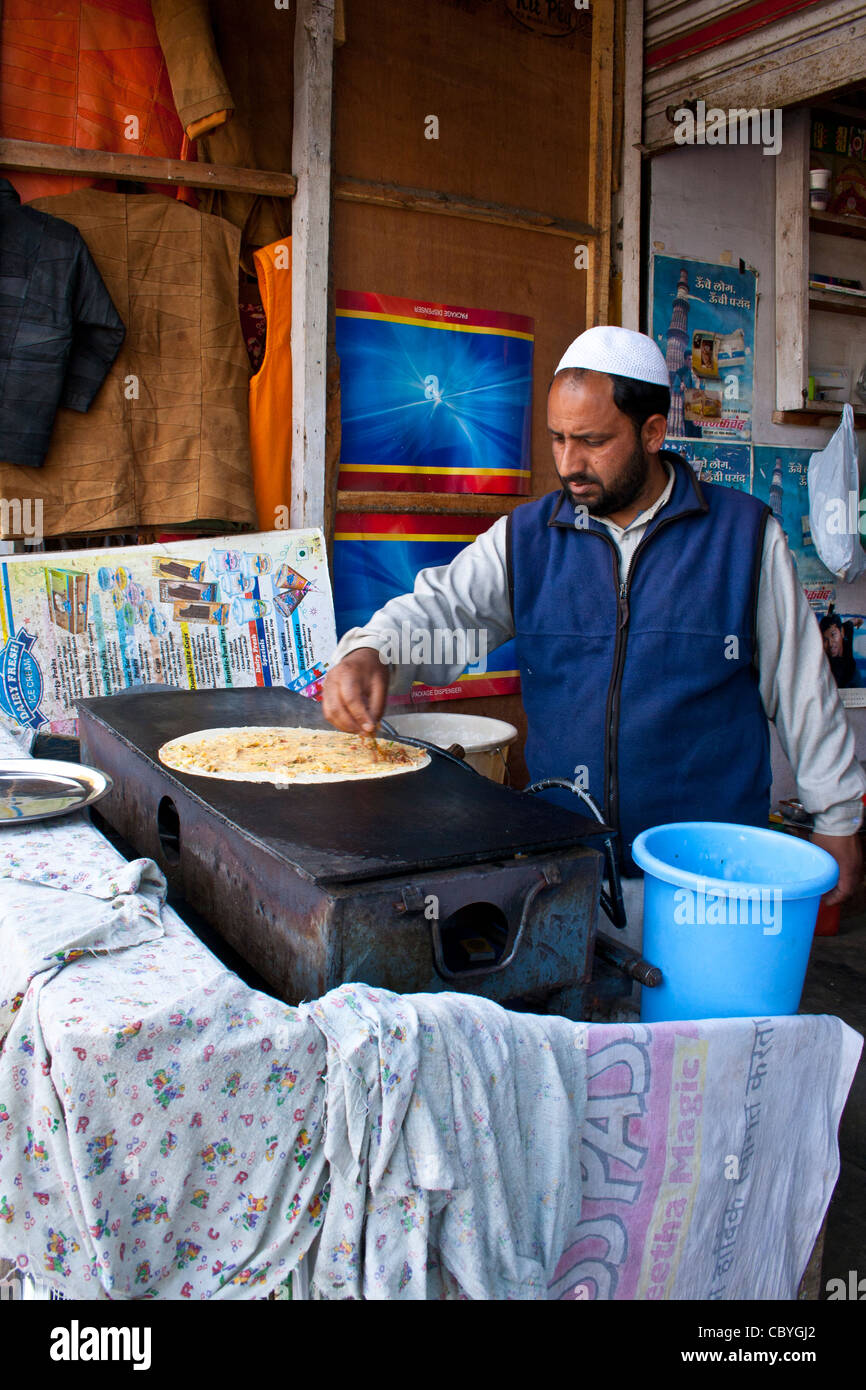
(834, 502)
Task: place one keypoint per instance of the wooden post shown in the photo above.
(792, 262)
(631, 164)
(311, 224)
(600, 160)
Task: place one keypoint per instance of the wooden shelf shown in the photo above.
(818, 415)
(831, 224)
(831, 303)
(461, 504)
(32, 156)
(392, 195)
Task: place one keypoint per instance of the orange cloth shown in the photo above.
(271, 389)
(74, 73)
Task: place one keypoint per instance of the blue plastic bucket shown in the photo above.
(729, 915)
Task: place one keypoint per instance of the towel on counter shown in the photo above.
(163, 1127)
(453, 1138)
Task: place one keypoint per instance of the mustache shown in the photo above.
(579, 479)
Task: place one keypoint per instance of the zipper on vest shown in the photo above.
(612, 779)
(623, 588)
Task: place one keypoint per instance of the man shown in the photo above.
(659, 625)
(838, 638)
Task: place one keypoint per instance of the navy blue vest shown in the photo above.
(650, 686)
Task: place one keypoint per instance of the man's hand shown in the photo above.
(846, 850)
(354, 692)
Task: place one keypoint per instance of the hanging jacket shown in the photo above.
(59, 330)
(167, 440)
(646, 690)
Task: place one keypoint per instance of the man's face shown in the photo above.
(597, 453)
(833, 641)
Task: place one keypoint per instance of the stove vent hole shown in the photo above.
(474, 936)
(168, 830)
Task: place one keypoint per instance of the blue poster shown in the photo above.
(377, 556)
(844, 638)
(728, 464)
(434, 397)
(703, 319)
(781, 479)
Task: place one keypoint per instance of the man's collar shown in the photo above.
(8, 193)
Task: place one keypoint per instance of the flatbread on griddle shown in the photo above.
(287, 756)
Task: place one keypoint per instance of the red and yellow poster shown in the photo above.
(377, 556)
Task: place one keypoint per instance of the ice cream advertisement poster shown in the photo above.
(780, 478)
(703, 320)
(199, 614)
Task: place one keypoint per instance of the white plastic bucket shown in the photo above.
(483, 740)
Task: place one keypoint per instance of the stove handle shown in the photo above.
(549, 875)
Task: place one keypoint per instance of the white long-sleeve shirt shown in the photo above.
(797, 688)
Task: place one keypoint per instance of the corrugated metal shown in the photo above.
(677, 30)
(733, 53)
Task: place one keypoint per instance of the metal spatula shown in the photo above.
(454, 754)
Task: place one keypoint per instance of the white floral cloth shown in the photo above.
(168, 1133)
(160, 1123)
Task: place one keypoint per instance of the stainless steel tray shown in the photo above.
(39, 788)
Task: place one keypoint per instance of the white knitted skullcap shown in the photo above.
(618, 351)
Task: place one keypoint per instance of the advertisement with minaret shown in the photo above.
(781, 477)
(703, 319)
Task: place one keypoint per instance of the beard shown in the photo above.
(620, 491)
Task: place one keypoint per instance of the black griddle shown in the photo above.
(340, 832)
(436, 879)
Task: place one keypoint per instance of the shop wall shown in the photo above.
(718, 204)
(513, 113)
(512, 103)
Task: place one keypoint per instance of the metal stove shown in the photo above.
(438, 879)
